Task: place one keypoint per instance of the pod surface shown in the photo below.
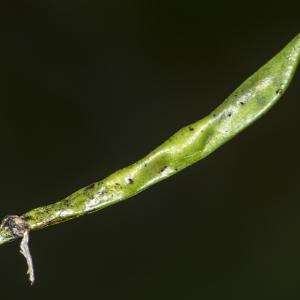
(252, 99)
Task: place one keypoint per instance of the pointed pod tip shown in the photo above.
(297, 46)
(292, 51)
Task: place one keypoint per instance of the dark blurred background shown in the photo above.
(89, 87)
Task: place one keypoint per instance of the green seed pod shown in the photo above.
(190, 144)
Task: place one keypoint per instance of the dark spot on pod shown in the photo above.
(130, 180)
(118, 186)
(163, 169)
(242, 103)
(191, 128)
(229, 114)
(145, 165)
(214, 115)
(278, 91)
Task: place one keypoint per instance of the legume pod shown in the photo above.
(192, 143)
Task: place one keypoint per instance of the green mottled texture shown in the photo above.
(187, 146)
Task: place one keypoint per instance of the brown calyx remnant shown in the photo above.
(17, 225)
(14, 227)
